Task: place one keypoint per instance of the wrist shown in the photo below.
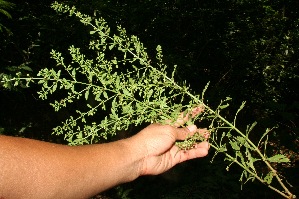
(136, 155)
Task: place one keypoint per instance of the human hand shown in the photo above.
(156, 144)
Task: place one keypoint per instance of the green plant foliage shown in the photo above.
(4, 7)
(121, 79)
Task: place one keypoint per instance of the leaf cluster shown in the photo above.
(134, 91)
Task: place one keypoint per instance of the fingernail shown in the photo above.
(192, 128)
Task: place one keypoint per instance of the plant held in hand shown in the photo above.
(134, 89)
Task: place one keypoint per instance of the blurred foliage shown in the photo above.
(5, 6)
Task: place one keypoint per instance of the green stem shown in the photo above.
(255, 175)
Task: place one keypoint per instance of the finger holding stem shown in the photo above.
(184, 117)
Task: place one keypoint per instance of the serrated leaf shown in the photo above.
(222, 148)
(242, 141)
(235, 145)
(278, 158)
(251, 159)
(240, 155)
(268, 178)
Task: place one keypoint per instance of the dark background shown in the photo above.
(247, 50)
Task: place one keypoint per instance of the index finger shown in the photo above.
(183, 133)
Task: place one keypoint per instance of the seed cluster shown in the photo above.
(190, 142)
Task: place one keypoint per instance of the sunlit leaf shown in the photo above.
(268, 178)
(86, 94)
(234, 145)
(278, 158)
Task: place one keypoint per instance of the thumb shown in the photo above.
(183, 133)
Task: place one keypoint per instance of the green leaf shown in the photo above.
(54, 87)
(240, 155)
(149, 94)
(278, 158)
(105, 94)
(235, 145)
(87, 94)
(111, 46)
(224, 106)
(98, 97)
(114, 61)
(243, 175)
(24, 67)
(265, 134)
(269, 177)
(126, 92)
(74, 72)
(222, 148)
(241, 107)
(251, 159)
(249, 128)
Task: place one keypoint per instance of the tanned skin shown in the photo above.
(37, 169)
